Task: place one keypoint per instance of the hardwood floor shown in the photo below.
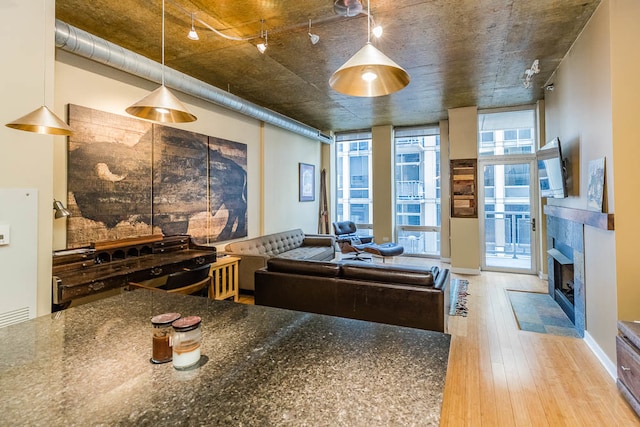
(499, 375)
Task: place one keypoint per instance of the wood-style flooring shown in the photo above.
(500, 376)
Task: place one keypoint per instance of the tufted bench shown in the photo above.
(291, 244)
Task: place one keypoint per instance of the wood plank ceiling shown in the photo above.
(458, 52)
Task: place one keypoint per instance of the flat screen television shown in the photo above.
(552, 173)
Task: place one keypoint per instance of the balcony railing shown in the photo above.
(410, 190)
(508, 234)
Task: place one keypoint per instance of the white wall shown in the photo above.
(465, 232)
(282, 209)
(26, 159)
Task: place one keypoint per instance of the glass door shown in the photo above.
(508, 214)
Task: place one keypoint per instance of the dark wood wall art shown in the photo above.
(128, 177)
(464, 201)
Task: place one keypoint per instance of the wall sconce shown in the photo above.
(60, 210)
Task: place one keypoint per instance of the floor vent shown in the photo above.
(14, 316)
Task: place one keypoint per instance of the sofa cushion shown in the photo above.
(310, 253)
(314, 268)
(387, 273)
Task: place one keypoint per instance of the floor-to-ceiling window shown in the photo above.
(417, 180)
(353, 176)
(506, 148)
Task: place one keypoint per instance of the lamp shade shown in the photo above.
(369, 73)
(42, 121)
(161, 106)
(60, 210)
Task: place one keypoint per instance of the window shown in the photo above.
(506, 133)
(417, 176)
(353, 173)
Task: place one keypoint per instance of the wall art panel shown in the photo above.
(128, 177)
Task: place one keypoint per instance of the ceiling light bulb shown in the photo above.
(369, 76)
(192, 34)
(377, 31)
(262, 47)
(162, 110)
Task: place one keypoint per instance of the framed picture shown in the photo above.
(307, 182)
(595, 191)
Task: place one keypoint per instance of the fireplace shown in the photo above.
(565, 243)
(563, 291)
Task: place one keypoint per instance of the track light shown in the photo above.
(192, 34)
(313, 37)
(377, 31)
(264, 39)
(262, 46)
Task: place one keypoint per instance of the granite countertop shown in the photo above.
(89, 365)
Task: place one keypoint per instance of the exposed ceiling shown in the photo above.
(458, 52)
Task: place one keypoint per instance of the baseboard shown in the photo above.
(469, 271)
(608, 365)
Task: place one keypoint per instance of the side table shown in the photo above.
(224, 278)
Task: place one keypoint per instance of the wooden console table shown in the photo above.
(114, 264)
(224, 278)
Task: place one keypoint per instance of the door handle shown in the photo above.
(533, 224)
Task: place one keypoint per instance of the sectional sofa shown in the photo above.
(291, 244)
(393, 294)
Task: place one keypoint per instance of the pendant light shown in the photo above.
(42, 120)
(161, 105)
(369, 72)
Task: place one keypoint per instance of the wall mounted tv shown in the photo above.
(552, 173)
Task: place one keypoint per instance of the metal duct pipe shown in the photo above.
(82, 43)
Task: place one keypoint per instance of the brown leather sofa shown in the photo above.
(398, 295)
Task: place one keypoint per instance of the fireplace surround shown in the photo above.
(565, 243)
(565, 257)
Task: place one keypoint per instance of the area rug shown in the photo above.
(458, 294)
(538, 312)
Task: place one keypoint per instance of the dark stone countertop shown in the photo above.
(260, 366)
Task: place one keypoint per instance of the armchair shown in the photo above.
(350, 242)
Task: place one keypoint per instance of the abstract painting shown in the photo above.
(127, 177)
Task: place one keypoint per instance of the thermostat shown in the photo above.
(5, 234)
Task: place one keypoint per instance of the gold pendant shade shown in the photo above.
(369, 73)
(161, 106)
(41, 121)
